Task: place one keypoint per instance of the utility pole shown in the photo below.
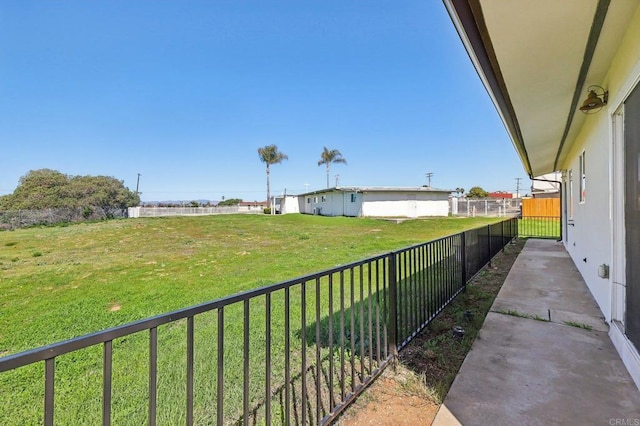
(429, 174)
(337, 178)
(518, 187)
(306, 187)
(137, 188)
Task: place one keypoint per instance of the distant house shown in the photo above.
(250, 206)
(376, 202)
(500, 194)
(546, 186)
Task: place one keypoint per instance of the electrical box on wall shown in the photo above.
(603, 271)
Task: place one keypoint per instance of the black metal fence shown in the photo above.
(539, 227)
(297, 352)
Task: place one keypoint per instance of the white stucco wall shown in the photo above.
(591, 236)
(588, 239)
(332, 203)
(376, 204)
(353, 208)
(289, 204)
(405, 204)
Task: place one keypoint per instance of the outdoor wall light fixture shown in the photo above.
(596, 99)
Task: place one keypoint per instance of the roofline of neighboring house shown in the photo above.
(364, 189)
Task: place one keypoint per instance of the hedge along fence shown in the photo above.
(13, 219)
(298, 352)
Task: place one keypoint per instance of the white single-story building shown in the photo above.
(546, 186)
(285, 204)
(252, 206)
(565, 79)
(361, 201)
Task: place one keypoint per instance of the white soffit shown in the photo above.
(539, 46)
(619, 16)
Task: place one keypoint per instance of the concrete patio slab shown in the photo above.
(544, 283)
(522, 370)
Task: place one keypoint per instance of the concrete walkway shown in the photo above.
(528, 371)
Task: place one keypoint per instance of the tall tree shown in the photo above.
(46, 188)
(270, 155)
(330, 156)
(477, 192)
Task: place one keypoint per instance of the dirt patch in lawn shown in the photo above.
(411, 393)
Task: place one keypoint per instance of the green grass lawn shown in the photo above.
(539, 227)
(61, 282)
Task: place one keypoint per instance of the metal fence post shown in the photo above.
(463, 245)
(502, 236)
(489, 242)
(392, 319)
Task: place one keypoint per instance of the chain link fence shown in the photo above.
(13, 219)
(495, 207)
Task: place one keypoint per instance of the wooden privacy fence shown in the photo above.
(541, 207)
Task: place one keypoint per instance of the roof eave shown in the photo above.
(469, 23)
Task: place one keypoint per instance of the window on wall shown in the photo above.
(570, 194)
(353, 198)
(583, 178)
(323, 199)
(308, 200)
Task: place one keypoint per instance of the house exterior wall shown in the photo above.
(547, 183)
(252, 207)
(595, 233)
(288, 204)
(588, 233)
(332, 203)
(405, 204)
(353, 208)
(376, 203)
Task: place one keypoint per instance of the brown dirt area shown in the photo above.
(411, 393)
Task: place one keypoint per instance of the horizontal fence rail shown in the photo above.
(296, 352)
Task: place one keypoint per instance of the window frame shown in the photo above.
(571, 194)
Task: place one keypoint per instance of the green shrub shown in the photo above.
(87, 212)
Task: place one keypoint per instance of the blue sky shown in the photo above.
(185, 92)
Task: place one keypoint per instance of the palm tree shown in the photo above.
(330, 156)
(270, 155)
